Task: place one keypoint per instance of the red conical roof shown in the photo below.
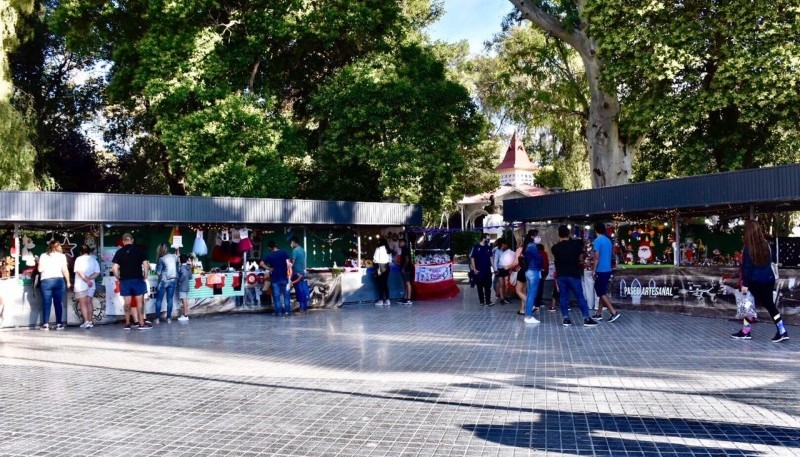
(516, 156)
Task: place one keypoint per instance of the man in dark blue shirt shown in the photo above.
(480, 261)
(278, 262)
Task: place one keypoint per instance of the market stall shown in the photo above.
(224, 237)
(677, 242)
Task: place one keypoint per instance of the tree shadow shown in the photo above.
(593, 434)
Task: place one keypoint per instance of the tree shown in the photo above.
(610, 153)
(17, 154)
(711, 85)
(46, 72)
(400, 128)
(536, 83)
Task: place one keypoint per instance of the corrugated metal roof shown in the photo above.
(69, 207)
(768, 189)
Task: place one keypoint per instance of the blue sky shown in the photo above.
(472, 20)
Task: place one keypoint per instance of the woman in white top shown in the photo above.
(54, 282)
(381, 260)
(86, 270)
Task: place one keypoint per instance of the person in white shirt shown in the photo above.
(381, 259)
(54, 282)
(86, 270)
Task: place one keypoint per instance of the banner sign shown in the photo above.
(696, 290)
(433, 273)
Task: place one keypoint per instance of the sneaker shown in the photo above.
(598, 317)
(567, 322)
(157, 321)
(59, 326)
(505, 302)
(491, 303)
(531, 320)
(379, 303)
(89, 325)
(483, 304)
(614, 317)
(146, 326)
(552, 310)
(408, 302)
(387, 303)
(780, 337)
(169, 321)
(589, 322)
(45, 326)
(183, 318)
(83, 325)
(128, 327)
(740, 335)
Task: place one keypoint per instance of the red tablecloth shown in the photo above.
(433, 282)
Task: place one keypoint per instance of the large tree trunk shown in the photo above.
(610, 157)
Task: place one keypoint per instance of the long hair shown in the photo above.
(163, 250)
(755, 243)
(52, 245)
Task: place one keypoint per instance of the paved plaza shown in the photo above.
(444, 378)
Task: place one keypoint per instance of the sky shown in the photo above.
(472, 20)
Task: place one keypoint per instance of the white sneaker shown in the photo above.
(379, 303)
(157, 321)
(183, 318)
(387, 303)
(89, 325)
(169, 321)
(531, 320)
(84, 325)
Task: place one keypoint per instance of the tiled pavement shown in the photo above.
(439, 378)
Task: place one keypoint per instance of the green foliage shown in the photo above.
(462, 242)
(710, 86)
(400, 128)
(230, 148)
(537, 83)
(17, 155)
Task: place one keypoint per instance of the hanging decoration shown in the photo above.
(199, 248)
(176, 239)
(68, 247)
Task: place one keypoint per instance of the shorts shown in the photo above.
(502, 273)
(183, 295)
(521, 276)
(85, 293)
(132, 287)
(406, 276)
(601, 283)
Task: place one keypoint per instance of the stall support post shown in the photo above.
(752, 213)
(677, 250)
(463, 227)
(17, 254)
(305, 239)
(358, 247)
(102, 241)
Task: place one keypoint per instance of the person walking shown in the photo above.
(53, 282)
(537, 304)
(567, 256)
(480, 262)
(299, 274)
(278, 262)
(520, 266)
(601, 271)
(759, 279)
(533, 276)
(184, 276)
(381, 259)
(406, 270)
(86, 271)
(167, 274)
(505, 259)
(130, 267)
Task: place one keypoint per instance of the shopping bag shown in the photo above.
(745, 305)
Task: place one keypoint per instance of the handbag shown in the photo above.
(512, 278)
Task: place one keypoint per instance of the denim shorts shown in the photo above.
(132, 287)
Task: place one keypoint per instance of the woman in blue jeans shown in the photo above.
(533, 276)
(167, 273)
(54, 282)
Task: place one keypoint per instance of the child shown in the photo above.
(184, 275)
